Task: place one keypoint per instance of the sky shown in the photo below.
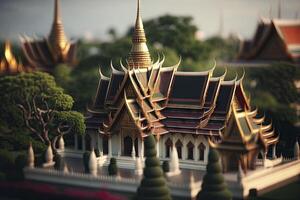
(92, 18)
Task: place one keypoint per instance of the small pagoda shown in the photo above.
(188, 110)
(274, 40)
(46, 53)
(9, 65)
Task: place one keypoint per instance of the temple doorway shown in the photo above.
(88, 142)
(127, 146)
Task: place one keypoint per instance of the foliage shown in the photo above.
(153, 184)
(112, 167)
(59, 162)
(86, 157)
(7, 163)
(166, 166)
(20, 163)
(274, 94)
(37, 98)
(213, 185)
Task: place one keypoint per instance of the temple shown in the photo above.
(46, 53)
(274, 40)
(9, 65)
(187, 110)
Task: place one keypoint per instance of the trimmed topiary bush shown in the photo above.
(166, 166)
(213, 185)
(59, 162)
(86, 158)
(112, 167)
(153, 185)
(20, 163)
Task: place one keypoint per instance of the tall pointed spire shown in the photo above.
(139, 56)
(57, 35)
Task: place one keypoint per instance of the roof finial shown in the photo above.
(57, 17)
(57, 35)
(139, 55)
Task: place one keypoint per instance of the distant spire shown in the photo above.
(139, 55)
(57, 35)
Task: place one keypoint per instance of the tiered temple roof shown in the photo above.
(45, 53)
(274, 39)
(160, 100)
(9, 64)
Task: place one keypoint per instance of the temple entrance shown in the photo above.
(233, 163)
(127, 146)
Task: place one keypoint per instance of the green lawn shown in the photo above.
(288, 192)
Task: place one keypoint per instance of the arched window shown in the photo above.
(127, 146)
(105, 145)
(88, 142)
(179, 145)
(168, 145)
(201, 148)
(136, 147)
(190, 151)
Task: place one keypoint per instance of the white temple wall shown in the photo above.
(185, 139)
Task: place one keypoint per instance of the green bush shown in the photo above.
(20, 163)
(112, 167)
(166, 166)
(86, 158)
(59, 162)
(213, 185)
(153, 185)
(2, 176)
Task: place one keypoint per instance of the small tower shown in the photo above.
(139, 56)
(30, 159)
(93, 163)
(57, 37)
(133, 152)
(49, 155)
(61, 143)
(174, 163)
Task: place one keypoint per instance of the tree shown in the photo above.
(153, 185)
(213, 185)
(45, 108)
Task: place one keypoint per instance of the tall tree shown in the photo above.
(153, 185)
(213, 185)
(45, 108)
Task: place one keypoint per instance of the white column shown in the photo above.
(30, 159)
(109, 147)
(142, 148)
(76, 142)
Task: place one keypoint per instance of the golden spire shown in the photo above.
(57, 36)
(139, 55)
